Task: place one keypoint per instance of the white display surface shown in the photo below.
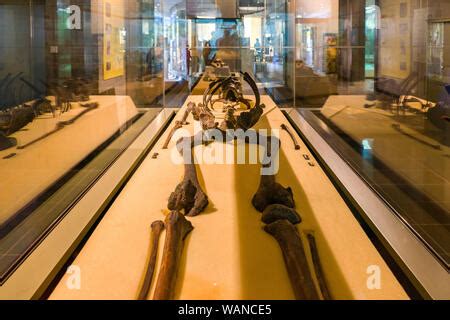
(228, 255)
(30, 171)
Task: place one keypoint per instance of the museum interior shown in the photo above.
(225, 149)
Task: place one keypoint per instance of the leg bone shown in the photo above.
(156, 229)
(295, 259)
(178, 229)
(271, 192)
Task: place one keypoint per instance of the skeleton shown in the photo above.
(273, 200)
(188, 195)
(178, 228)
(14, 117)
(156, 229)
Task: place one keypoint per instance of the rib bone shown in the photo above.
(277, 212)
(177, 230)
(156, 229)
(295, 259)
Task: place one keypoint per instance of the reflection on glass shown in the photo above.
(74, 75)
(377, 72)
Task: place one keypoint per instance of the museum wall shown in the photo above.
(395, 52)
(323, 16)
(108, 21)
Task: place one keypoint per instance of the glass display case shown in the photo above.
(94, 95)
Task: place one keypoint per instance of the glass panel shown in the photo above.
(377, 74)
(74, 77)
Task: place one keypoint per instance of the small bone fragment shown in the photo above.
(291, 134)
(189, 109)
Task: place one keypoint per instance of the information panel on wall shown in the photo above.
(113, 40)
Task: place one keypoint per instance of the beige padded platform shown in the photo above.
(228, 255)
(35, 168)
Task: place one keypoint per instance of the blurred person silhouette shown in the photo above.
(206, 53)
(258, 50)
(228, 49)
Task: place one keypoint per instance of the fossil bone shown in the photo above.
(189, 109)
(276, 212)
(291, 134)
(318, 267)
(230, 91)
(247, 120)
(189, 195)
(156, 229)
(295, 259)
(178, 125)
(178, 229)
(271, 192)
